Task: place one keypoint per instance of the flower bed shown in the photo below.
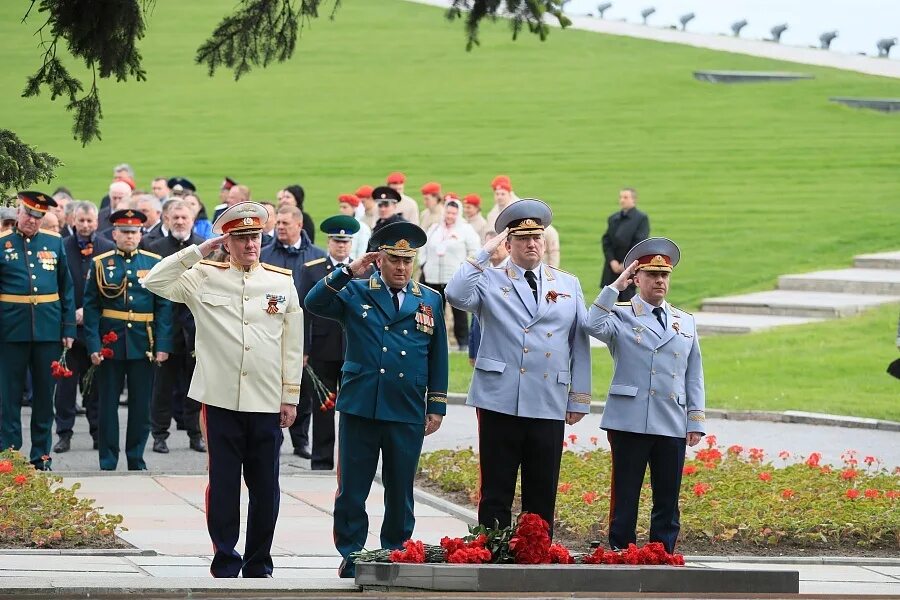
(37, 512)
(730, 498)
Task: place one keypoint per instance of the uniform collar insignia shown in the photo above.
(373, 283)
(548, 274)
(511, 273)
(637, 306)
(415, 289)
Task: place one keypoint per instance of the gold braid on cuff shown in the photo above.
(579, 398)
(697, 416)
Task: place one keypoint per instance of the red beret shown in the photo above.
(473, 199)
(349, 199)
(364, 191)
(451, 196)
(502, 182)
(432, 188)
(396, 177)
(127, 180)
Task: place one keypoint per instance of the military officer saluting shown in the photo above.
(533, 369)
(37, 311)
(115, 301)
(394, 384)
(656, 399)
(249, 361)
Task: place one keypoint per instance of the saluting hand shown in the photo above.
(211, 244)
(492, 244)
(362, 264)
(626, 278)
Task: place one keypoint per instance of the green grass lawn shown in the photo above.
(752, 180)
(837, 367)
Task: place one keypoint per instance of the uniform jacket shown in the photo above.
(534, 359)
(249, 330)
(183, 328)
(115, 300)
(323, 338)
(623, 231)
(396, 363)
(657, 383)
(37, 298)
(81, 266)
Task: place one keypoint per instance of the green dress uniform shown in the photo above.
(37, 310)
(115, 300)
(395, 372)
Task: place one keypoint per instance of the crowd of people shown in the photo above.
(238, 325)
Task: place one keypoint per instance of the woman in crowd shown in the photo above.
(450, 242)
(202, 226)
(294, 195)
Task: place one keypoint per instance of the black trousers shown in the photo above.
(328, 371)
(460, 317)
(299, 431)
(630, 454)
(236, 442)
(78, 362)
(170, 394)
(504, 443)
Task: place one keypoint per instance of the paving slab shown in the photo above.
(888, 105)
(827, 305)
(878, 260)
(846, 281)
(750, 76)
(725, 323)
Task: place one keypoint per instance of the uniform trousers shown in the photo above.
(79, 362)
(236, 442)
(299, 431)
(170, 394)
(360, 441)
(506, 442)
(630, 454)
(328, 372)
(18, 357)
(110, 378)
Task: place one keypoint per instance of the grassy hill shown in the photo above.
(751, 180)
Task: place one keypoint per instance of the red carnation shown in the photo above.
(413, 552)
(20, 479)
(106, 352)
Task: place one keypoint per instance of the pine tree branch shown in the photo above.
(21, 165)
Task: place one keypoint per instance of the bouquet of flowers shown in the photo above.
(106, 352)
(325, 397)
(58, 368)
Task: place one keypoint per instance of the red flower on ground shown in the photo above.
(853, 494)
(472, 555)
(688, 470)
(6, 466)
(849, 474)
(559, 554)
(765, 476)
(530, 543)
(589, 497)
(701, 488)
(813, 459)
(564, 487)
(573, 438)
(708, 454)
(787, 494)
(20, 479)
(870, 493)
(413, 552)
(735, 449)
(710, 465)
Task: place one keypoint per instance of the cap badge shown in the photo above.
(248, 221)
(42, 198)
(129, 214)
(382, 196)
(342, 232)
(402, 245)
(528, 223)
(658, 260)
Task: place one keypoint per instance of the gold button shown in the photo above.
(27, 239)
(31, 265)
(404, 332)
(246, 322)
(525, 350)
(128, 260)
(130, 299)
(244, 374)
(128, 272)
(35, 289)
(29, 253)
(128, 325)
(522, 370)
(129, 284)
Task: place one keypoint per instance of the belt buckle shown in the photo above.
(33, 299)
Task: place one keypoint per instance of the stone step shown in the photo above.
(846, 281)
(878, 260)
(713, 323)
(788, 303)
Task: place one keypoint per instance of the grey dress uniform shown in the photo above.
(655, 399)
(533, 366)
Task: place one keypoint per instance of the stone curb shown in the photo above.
(788, 416)
(77, 552)
(854, 561)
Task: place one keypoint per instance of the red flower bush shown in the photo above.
(735, 449)
(688, 470)
(756, 454)
(813, 459)
(564, 487)
(594, 439)
(870, 493)
(589, 497)
(573, 438)
(765, 476)
(853, 494)
(711, 440)
(701, 488)
(709, 455)
(787, 494)
(6, 466)
(784, 455)
(849, 474)
(413, 552)
(20, 479)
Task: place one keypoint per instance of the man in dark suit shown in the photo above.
(155, 228)
(81, 249)
(173, 376)
(290, 250)
(323, 339)
(625, 229)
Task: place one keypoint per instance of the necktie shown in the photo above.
(658, 311)
(395, 294)
(532, 282)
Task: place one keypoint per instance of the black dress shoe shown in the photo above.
(347, 570)
(160, 446)
(96, 444)
(302, 453)
(63, 445)
(198, 444)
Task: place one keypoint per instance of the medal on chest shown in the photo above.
(9, 253)
(47, 258)
(637, 333)
(273, 300)
(425, 319)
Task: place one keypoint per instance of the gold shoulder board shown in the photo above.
(48, 232)
(104, 255)
(215, 263)
(151, 254)
(315, 261)
(275, 269)
(560, 270)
